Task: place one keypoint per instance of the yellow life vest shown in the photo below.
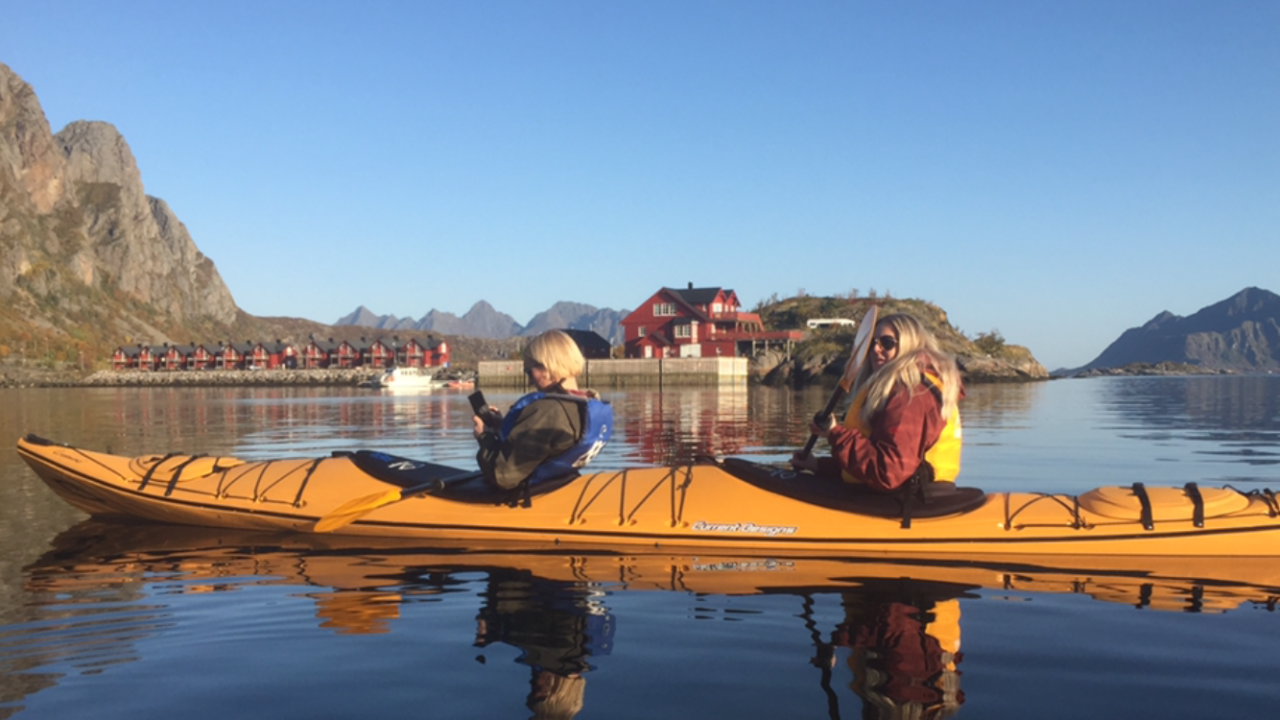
(944, 455)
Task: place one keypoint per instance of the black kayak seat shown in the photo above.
(939, 498)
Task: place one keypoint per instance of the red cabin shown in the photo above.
(320, 353)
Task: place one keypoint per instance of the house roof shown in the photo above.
(588, 339)
(698, 296)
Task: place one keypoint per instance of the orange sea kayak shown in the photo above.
(729, 504)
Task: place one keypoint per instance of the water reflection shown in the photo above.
(903, 648)
(558, 627)
(1232, 419)
(105, 595)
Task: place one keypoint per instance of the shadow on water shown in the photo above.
(107, 595)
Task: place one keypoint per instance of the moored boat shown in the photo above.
(408, 377)
(727, 504)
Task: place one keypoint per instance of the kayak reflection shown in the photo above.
(899, 634)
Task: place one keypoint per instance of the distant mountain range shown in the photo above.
(483, 321)
(1241, 333)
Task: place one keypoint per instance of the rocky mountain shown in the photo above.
(1241, 333)
(86, 256)
(483, 321)
(578, 316)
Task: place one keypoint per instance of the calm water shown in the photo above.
(124, 621)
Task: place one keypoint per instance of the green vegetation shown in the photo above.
(792, 314)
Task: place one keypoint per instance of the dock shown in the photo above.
(649, 373)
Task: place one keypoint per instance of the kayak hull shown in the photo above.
(703, 506)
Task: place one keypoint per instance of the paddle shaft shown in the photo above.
(857, 355)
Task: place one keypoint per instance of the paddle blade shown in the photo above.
(861, 348)
(349, 512)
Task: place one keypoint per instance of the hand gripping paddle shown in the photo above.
(861, 347)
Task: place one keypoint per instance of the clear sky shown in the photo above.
(1057, 170)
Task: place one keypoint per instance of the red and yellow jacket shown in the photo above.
(909, 427)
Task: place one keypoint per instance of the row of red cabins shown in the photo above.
(316, 354)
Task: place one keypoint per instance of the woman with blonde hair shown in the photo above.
(904, 421)
(551, 432)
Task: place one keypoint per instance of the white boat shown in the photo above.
(408, 377)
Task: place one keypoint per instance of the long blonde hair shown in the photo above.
(917, 349)
(558, 353)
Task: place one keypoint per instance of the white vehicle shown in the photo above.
(815, 323)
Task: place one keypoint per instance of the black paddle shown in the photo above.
(861, 346)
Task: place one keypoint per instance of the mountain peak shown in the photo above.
(1237, 333)
(484, 321)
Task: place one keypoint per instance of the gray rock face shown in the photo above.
(77, 228)
(1241, 333)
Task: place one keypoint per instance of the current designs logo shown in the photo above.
(744, 528)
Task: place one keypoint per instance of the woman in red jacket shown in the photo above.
(903, 418)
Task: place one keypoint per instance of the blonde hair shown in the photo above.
(917, 349)
(558, 353)
(563, 699)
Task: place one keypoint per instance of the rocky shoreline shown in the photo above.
(775, 369)
(776, 373)
(1160, 368)
(14, 378)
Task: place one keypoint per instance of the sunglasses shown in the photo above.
(888, 343)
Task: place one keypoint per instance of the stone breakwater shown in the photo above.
(220, 378)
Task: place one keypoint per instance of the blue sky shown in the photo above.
(1059, 171)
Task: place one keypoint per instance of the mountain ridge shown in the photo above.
(1238, 334)
(482, 320)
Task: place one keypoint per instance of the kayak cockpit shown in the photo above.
(936, 499)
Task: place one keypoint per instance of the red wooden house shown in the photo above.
(697, 322)
(320, 353)
(202, 358)
(345, 356)
(374, 353)
(273, 356)
(127, 357)
(176, 357)
(234, 356)
(408, 354)
(435, 352)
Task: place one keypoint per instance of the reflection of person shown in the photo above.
(551, 432)
(903, 421)
(904, 652)
(557, 628)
